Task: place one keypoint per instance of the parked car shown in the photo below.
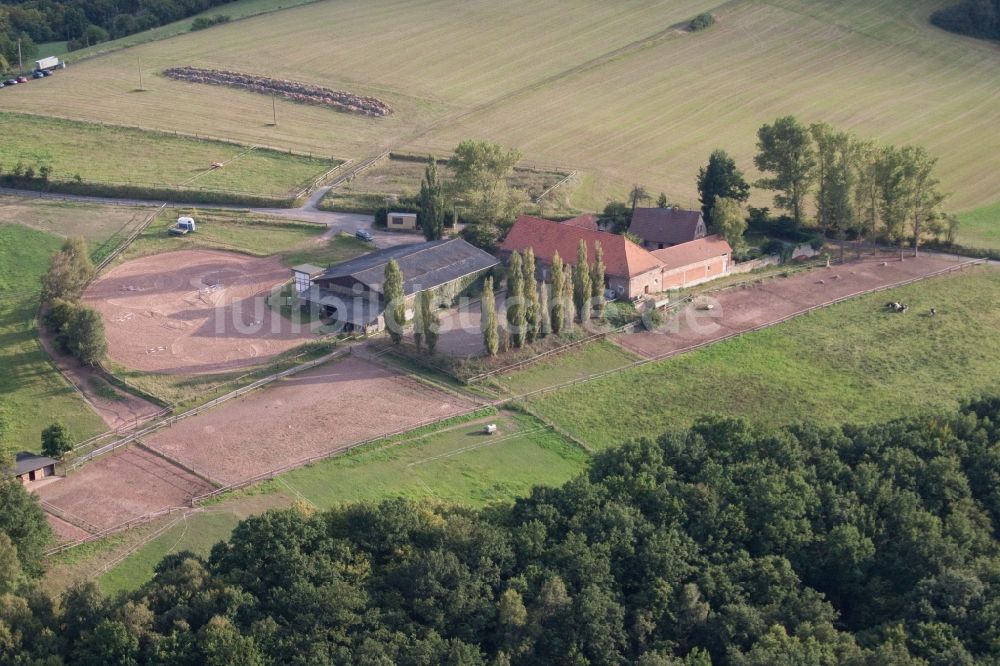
(10, 82)
(46, 72)
(38, 75)
(22, 79)
(361, 234)
(2, 84)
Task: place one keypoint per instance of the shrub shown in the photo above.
(84, 335)
(203, 22)
(55, 441)
(773, 247)
(701, 21)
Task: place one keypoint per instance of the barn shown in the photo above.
(350, 293)
(29, 467)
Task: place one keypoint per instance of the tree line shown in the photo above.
(84, 23)
(724, 544)
(976, 18)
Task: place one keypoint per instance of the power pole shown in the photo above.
(274, 112)
(139, 59)
(20, 65)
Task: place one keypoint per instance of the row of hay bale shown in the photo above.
(292, 90)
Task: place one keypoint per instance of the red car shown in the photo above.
(22, 79)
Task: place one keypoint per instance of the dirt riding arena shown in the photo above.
(316, 412)
(193, 312)
(749, 306)
(120, 487)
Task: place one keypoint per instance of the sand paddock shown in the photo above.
(193, 312)
(121, 486)
(751, 305)
(316, 412)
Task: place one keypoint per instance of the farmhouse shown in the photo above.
(664, 227)
(695, 262)
(29, 467)
(630, 270)
(584, 222)
(351, 295)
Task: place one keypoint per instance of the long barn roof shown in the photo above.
(424, 265)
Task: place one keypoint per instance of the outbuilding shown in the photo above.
(29, 467)
(401, 221)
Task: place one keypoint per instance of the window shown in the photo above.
(397, 221)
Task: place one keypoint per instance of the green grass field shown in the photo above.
(455, 464)
(612, 89)
(575, 364)
(849, 363)
(32, 393)
(122, 156)
(980, 227)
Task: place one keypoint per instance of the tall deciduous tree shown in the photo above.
(69, 271)
(23, 521)
(395, 301)
(531, 301)
(597, 280)
(83, 335)
(784, 150)
(544, 310)
(924, 196)
(720, 178)
(429, 320)
(481, 171)
(867, 158)
(637, 195)
(581, 282)
(894, 194)
(488, 318)
(728, 220)
(558, 291)
(515, 300)
(55, 441)
(431, 202)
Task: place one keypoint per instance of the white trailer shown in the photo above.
(47, 63)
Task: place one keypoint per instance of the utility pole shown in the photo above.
(274, 112)
(20, 65)
(139, 64)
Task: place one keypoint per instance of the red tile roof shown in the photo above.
(588, 221)
(622, 257)
(693, 252)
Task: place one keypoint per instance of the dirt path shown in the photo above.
(124, 412)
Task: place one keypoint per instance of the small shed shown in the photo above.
(304, 274)
(402, 221)
(29, 467)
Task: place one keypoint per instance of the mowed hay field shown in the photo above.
(125, 156)
(853, 362)
(606, 87)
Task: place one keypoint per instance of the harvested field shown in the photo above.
(120, 487)
(745, 307)
(290, 90)
(319, 411)
(193, 312)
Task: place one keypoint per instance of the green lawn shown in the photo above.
(240, 231)
(575, 364)
(980, 227)
(123, 156)
(455, 463)
(32, 393)
(335, 250)
(849, 363)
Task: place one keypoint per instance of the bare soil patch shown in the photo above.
(116, 488)
(65, 531)
(313, 413)
(193, 312)
(291, 90)
(748, 306)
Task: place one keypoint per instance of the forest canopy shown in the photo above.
(976, 18)
(725, 544)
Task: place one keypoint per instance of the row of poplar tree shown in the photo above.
(536, 309)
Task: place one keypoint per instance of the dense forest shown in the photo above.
(724, 544)
(84, 23)
(976, 18)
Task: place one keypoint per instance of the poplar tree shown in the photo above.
(558, 313)
(431, 203)
(488, 319)
(597, 280)
(581, 282)
(515, 300)
(395, 301)
(544, 315)
(530, 291)
(429, 320)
